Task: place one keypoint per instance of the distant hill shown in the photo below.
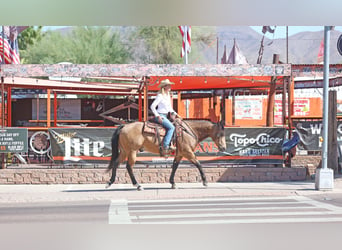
(302, 47)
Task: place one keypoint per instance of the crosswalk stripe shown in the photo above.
(208, 215)
(132, 210)
(118, 212)
(251, 221)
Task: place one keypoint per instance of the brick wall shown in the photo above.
(155, 175)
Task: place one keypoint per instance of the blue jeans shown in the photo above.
(169, 130)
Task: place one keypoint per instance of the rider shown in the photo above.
(160, 107)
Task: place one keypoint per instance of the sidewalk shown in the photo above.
(86, 192)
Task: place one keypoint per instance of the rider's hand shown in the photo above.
(160, 119)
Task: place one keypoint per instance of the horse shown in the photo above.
(129, 138)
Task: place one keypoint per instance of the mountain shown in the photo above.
(303, 47)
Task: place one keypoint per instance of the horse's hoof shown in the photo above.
(108, 185)
(140, 188)
(205, 183)
(174, 186)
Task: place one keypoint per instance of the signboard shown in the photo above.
(301, 107)
(13, 140)
(339, 44)
(244, 145)
(248, 108)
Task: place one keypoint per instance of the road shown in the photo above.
(209, 210)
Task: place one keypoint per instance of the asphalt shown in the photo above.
(86, 192)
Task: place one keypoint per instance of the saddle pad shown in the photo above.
(151, 128)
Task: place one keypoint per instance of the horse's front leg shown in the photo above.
(192, 158)
(175, 164)
(131, 175)
(204, 178)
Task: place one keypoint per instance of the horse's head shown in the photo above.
(219, 136)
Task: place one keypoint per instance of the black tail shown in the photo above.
(115, 148)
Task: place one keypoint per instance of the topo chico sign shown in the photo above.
(244, 145)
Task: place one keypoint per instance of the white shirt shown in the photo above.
(162, 105)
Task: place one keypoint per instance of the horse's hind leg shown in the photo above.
(173, 172)
(121, 158)
(129, 166)
(112, 178)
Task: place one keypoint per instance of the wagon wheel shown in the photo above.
(40, 142)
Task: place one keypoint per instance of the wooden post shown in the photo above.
(9, 107)
(140, 106)
(223, 108)
(285, 85)
(271, 96)
(145, 100)
(48, 107)
(332, 132)
(233, 107)
(3, 165)
(2, 103)
(179, 101)
(290, 102)
(55, 103)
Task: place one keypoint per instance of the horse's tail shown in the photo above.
(115, 148)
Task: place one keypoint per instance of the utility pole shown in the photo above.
(325, 177)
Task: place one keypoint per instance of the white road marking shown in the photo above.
(118, 212)
(314, 211)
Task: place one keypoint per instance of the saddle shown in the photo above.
(159, 132)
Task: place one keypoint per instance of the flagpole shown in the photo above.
(287, 44)
(186, 44)
(3, 45)
(2, 80)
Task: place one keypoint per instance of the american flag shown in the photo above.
(320, 56)
(186, 35)
(9, 44)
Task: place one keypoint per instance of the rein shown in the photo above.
(189, 130)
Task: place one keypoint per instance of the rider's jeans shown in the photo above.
(169, 130)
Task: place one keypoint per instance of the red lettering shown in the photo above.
(208, 147)
(198, 148)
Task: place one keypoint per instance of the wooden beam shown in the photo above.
(332, 132)
(142, 70)
(291, 102)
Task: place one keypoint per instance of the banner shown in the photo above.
(13, 140)
(244, 145)
(311, 134)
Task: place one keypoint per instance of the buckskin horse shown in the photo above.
(128, 139)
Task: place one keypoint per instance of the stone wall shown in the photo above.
(151, 175)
